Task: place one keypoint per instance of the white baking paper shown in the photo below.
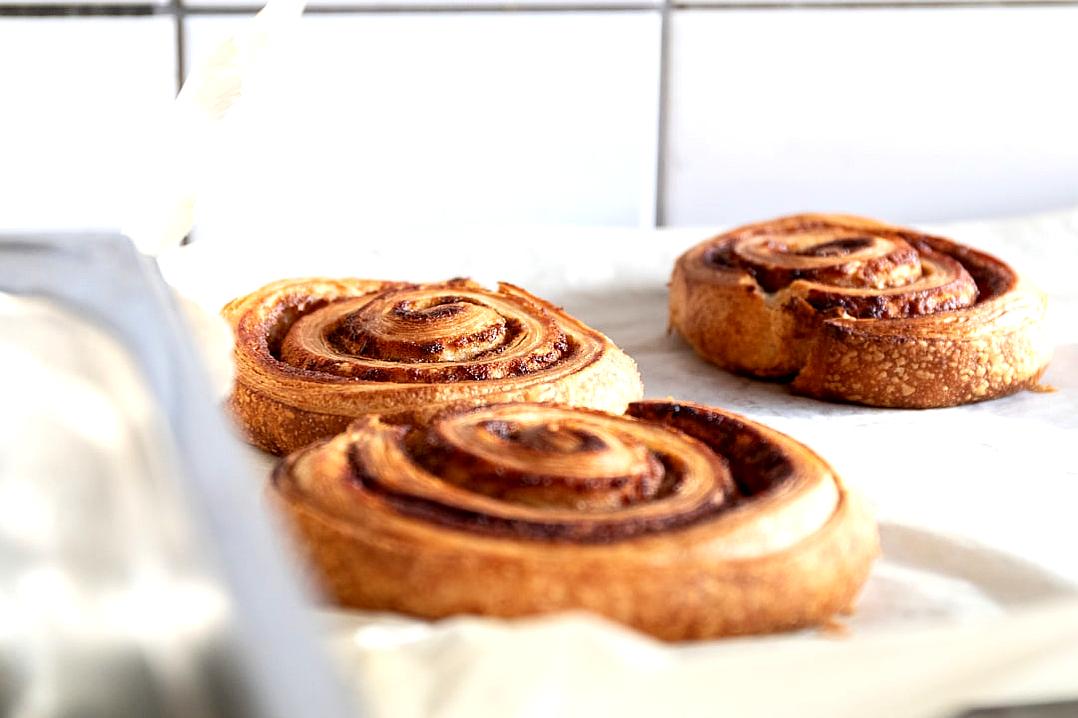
(973, 599)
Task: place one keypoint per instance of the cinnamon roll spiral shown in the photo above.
(681, 520)
(314, 354)
(855, 310)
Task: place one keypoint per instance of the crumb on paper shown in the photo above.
(835, 628)
(1043, 388)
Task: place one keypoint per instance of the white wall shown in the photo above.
(552, 116)
(909, 114)
(74, 95)
(434, 119)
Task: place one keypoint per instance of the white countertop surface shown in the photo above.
(976, 504)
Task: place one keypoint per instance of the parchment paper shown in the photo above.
(976, 504)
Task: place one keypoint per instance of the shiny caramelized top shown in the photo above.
(553, 473)
(860, 268)
(366, 331)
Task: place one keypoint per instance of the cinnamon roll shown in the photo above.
(854, 310)
(314, 354)
(681, 520)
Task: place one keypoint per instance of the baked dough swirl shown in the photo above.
(314, 354)
(681, 520)
(855, 310)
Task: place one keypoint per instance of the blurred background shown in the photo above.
(552, 112)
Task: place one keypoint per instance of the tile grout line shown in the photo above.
(661, 149)
(179, 18)
(417, 8)
(741, 5)
(177, 9)
(77, 10)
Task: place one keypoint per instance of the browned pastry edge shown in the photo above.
(282, 408)
(997, 346)
(791, 557)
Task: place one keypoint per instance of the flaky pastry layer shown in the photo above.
(850, 309)
(681, 520)
(314, 354)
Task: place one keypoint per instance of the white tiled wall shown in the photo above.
(508, 118)
(924, 114)
(77, 94)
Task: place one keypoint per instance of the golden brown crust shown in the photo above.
(681, 520)
(855, 310)
(314, 354)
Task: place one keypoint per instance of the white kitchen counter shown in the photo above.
(976, 505)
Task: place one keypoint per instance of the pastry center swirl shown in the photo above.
(434, 329)
(878, 275)
(418, 335)
(837, 247)
(576, 461)
(552, 473)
